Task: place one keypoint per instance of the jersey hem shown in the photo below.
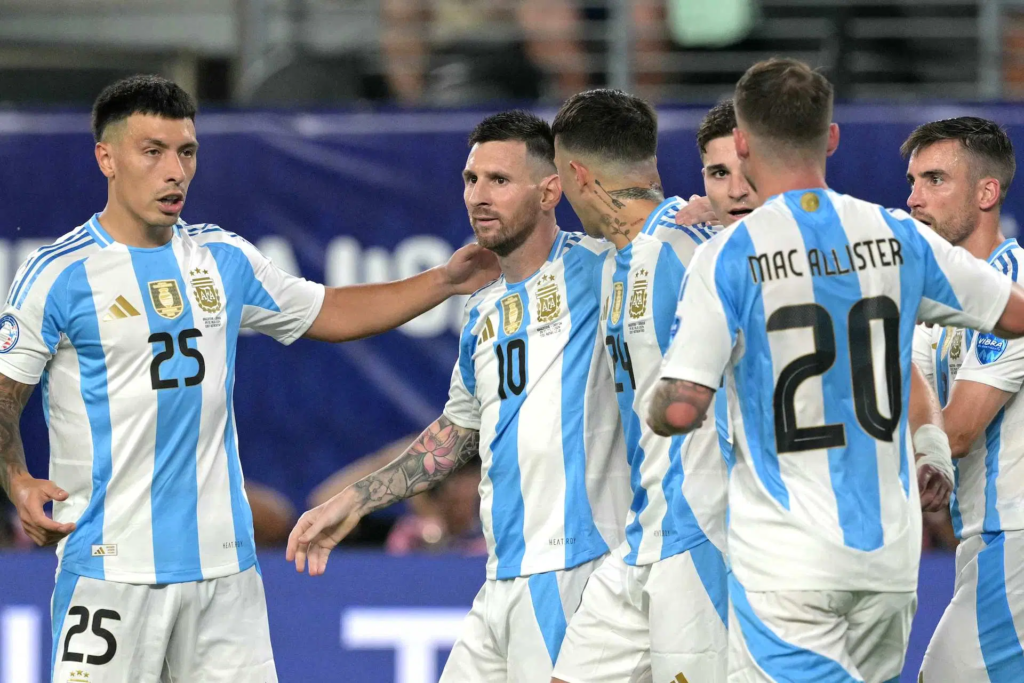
(17, 375)
(666, 552)
(998, 304)
(701, 377)
(982, 377)
(308, 319)
(148, 578)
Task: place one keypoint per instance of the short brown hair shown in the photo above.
(987, 144)
(717, 123)
(787, 101)
(609, 124)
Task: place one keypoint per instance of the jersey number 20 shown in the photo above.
(788, 436)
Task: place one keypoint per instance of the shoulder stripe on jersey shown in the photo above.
(1013, 265)
(1002, 264)
(43, 251)
(18, 296)
(666, 210)
(691, 231)
(1003, 248)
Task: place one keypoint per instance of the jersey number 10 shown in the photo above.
(791, 438)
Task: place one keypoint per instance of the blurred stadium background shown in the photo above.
(332, 137)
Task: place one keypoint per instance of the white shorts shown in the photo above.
(514, 631)
(213, 631)
(817, 636)
(666, 620)
(979, 635)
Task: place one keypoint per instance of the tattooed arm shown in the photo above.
(442, 448)
(29, 495)
(678, 406)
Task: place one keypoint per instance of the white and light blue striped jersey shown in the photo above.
(989, 493)
(531, 378)
(678, 484)
(808, 305)
(135, 351)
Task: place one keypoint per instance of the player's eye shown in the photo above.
(188, 153)
(152, 152)
(500, 181)
(719, 174)
(935, 180)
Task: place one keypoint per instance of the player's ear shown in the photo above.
(550, 192)
(833, 139)
(580, 173)
(988, 193)
(105, 158)
(739, 138)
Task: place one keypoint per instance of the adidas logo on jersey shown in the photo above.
(106, 550)
(120, 309)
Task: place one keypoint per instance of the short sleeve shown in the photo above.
(704, 336)
(276, 303)
(922, 353)
(996, 362)
(30, 331)
(959, 289)
(463, 407)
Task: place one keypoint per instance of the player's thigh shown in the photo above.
(979, 636)
(688, 598)
(788, 637)
(476, 655)
(111, 632)
(878, 632)
(607, 640)
(540, 607)
(222, 633)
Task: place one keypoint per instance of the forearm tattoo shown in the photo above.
(13, 397)
(440, 450)
(671, 391)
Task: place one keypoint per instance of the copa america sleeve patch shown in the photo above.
(9, 333)
(990, 348)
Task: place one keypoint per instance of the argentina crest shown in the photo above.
(638, 296)
(204, 290)
(166, 298)
(512, 313)
(549, 301)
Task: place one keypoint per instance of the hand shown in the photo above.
(935, 488)
(319, 530)
(697, 210)
(29, 495)
(470, 268)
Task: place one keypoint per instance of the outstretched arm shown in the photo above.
(29, 495)
(365, 310)
(441, 449)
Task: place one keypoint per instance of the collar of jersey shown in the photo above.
(1006, 246)
(656, 214)
(103, 238)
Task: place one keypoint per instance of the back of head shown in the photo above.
(609, 126)
(786, 104)
(717, 123)
(152, 95)
(519, 126)
(988, 146)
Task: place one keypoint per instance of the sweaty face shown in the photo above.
(502, 195)
(943, 190)
(153, 162)
(730, 194)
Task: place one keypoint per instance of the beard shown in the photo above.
(511, 233)
(954, 229)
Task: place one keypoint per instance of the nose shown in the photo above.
(738, 187)
(915, 200)
(174, 170)
(477, 194)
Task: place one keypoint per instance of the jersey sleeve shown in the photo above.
(704, 328)
(30, 332)
(276, 303)
(993, 361)
(922, 353)
(463, 407)
(959, 289)
(684, 239)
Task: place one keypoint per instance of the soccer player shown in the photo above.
(960, 171)
(532, 393)
(130, 323)
(808, 307)
(657, 605)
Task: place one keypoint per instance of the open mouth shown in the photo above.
(739, 213)
(171, 203)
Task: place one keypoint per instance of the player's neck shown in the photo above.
(986, 238)
(127, 228)
(528, 258)
(774, 180)
(621, 207)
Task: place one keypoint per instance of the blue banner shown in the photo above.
(356, 197)
(370, 618)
